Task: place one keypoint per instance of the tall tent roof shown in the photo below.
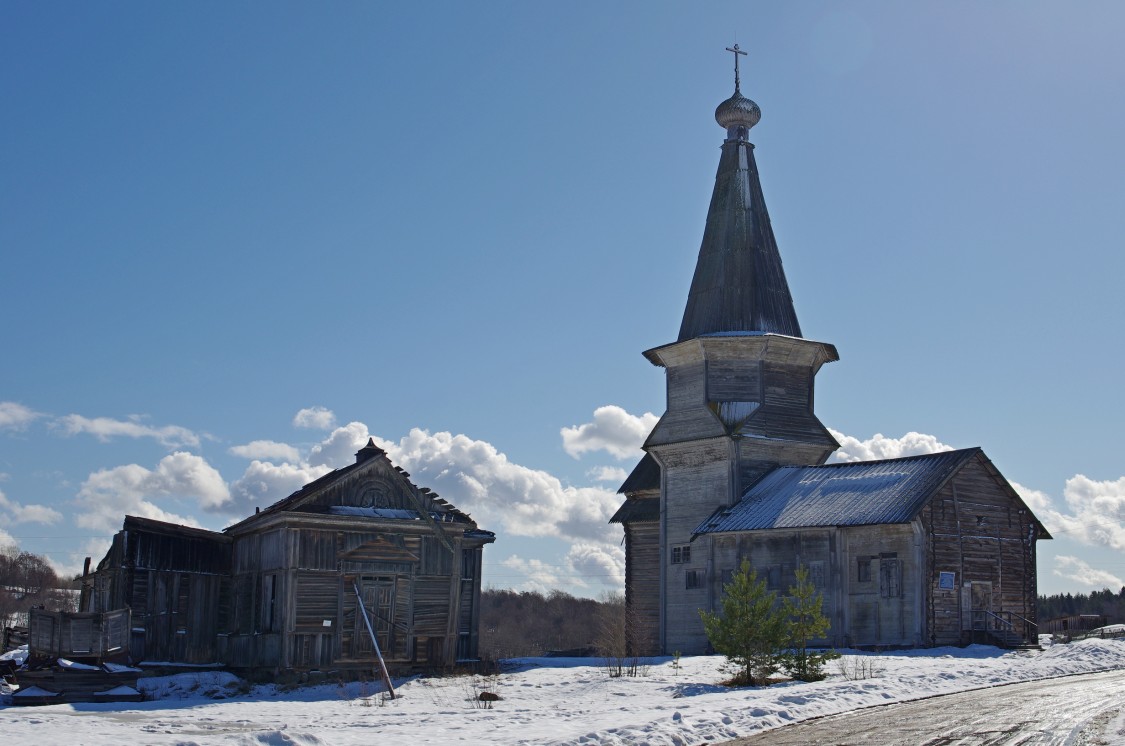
(739, 284)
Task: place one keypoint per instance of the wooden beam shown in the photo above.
(375, 642)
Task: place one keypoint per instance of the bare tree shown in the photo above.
(28, 581)
(622, 636)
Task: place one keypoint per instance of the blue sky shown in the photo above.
(237, 238)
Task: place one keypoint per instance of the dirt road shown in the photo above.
(1072, 710)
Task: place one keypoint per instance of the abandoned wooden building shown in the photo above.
(925, 550)
(306, 583)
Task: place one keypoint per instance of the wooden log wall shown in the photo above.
(432, 607)
(642, 587)
(982, 535)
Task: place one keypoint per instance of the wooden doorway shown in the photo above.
(981, 604)
(891, 611)
(378, 595)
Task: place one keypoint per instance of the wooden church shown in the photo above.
(357, 565)
(919, 551)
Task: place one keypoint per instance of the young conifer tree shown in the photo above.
(805, 622)
(751, 629)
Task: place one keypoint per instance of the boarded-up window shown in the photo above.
(773, 577)
(464, 646)
(890, 577)
(816, 574)
(468, 564)
(693, 579)
(243, 597)
(269, 603)
(183, 593)
(863, 570)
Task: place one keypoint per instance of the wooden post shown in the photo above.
(375, 642)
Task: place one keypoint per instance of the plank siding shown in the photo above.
(982, 535)
(642, 587)
(734, 380)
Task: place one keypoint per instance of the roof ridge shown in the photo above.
(869, 462)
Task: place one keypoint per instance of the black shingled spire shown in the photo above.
(739, 284)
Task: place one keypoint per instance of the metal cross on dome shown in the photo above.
(737, 52)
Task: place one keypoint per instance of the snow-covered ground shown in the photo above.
(543, 701)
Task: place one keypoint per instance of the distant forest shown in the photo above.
(1106, 602)
(516, 624)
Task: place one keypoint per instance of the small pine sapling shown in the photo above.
(805, 622)
(751, 629)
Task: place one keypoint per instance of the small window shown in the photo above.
(726, 576)
(863, 570)
(816, 574)
(681, 555)
(773, 577)
(693, 579)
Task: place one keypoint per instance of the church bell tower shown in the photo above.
(739, 383)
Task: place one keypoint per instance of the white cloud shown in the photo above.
(540, 576)
(109, 494)
(14, 512)
(7, 541)
(340, 447)
(613, 474)
(586, 567)
(94, 548)
(15, 416)
(613, 430)
(105, 428)
(477, 478)
(1095, 510)
(315, 418)
(600, 562)
(264, 483)
(880, 446)
(266, 450)
(1072, 568)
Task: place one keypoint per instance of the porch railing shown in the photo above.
(1008, 622)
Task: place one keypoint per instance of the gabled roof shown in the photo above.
(853, 494)
(739, 284)
(638, 510)
(436, 511)
(645, 476)
(153, 526)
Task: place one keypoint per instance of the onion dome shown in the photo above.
(737, 111)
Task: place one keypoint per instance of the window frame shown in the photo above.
(694, 580)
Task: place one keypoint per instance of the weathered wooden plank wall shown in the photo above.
(642, 587)
(984, 537)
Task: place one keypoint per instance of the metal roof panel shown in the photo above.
(849, 494)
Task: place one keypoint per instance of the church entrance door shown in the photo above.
(378, 594)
